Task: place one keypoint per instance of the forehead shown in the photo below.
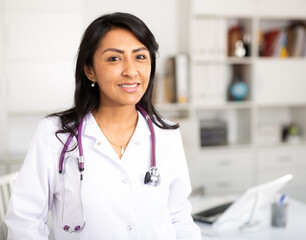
(120, 38)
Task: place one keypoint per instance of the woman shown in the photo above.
(117, 192)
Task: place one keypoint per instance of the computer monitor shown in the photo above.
(244, 209)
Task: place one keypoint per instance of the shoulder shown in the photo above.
(47, 129)
(173, 134)
(49, 125)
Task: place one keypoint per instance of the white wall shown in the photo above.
(159, 15)
(38, 44)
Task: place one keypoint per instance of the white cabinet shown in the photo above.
(276, 162)
(275, 98)
(282, 8)
(224, 172)
(279, 81)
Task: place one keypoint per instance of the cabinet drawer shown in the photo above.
(219, 183)
(226, 162)
(288, 159)
(227, 172)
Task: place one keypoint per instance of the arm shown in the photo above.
(179, 206)
(27, 213)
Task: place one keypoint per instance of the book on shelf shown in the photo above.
(270, 40)
(286, 41)
(299, 36)
(181, 76)
(169, 82)
(209, 38)
(210, 84)
(280, 48)
(176, 81)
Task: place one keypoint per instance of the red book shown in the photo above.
(270, 39)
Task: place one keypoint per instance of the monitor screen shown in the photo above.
(244, 209)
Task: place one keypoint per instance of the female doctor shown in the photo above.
(110, 167)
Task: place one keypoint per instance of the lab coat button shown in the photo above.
(99, 143)
(124, 180)
(129, 227)
(137, 143)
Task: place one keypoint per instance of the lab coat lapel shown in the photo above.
(141, 131)
(101, 144)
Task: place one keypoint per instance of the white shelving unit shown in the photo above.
(276, 96)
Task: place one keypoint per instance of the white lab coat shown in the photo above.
(117, 204)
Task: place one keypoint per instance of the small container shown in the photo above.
(279, 215)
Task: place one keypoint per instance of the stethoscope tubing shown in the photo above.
(80, 145)
(67, 228)
(151, 177)
(153, 139)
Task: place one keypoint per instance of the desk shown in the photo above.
(295, 229)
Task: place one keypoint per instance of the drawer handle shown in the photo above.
(223, 184)
(285, 159)
(223, 163)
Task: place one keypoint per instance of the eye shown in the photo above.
(113, 59)
(141, 57)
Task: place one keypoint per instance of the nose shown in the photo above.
(129, 69)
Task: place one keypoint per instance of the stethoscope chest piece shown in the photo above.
(152, 177)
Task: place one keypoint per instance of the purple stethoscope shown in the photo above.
(151, 177)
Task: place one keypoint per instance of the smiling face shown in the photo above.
(121, 68)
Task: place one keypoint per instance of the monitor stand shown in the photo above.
(252, 224)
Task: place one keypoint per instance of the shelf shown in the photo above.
(222, 60)
(199, 106)
(281, 18)
(233, 147)
(173, 106)
(279, 59)
(280, 145)
(225, 106)
(280, 105)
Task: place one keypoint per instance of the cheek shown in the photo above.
(146, 74)
(105, 76)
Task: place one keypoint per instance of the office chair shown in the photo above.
(6, 186)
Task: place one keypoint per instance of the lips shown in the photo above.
(129, 87)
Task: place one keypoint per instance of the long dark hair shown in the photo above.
(86, 98)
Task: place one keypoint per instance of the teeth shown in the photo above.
(128, 86)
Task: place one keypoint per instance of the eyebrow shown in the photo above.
(121, 51)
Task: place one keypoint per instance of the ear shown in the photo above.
(89, 73)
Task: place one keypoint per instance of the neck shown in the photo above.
(118, 125)
(120, 117)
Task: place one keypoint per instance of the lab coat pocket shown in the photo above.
(160, 212)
